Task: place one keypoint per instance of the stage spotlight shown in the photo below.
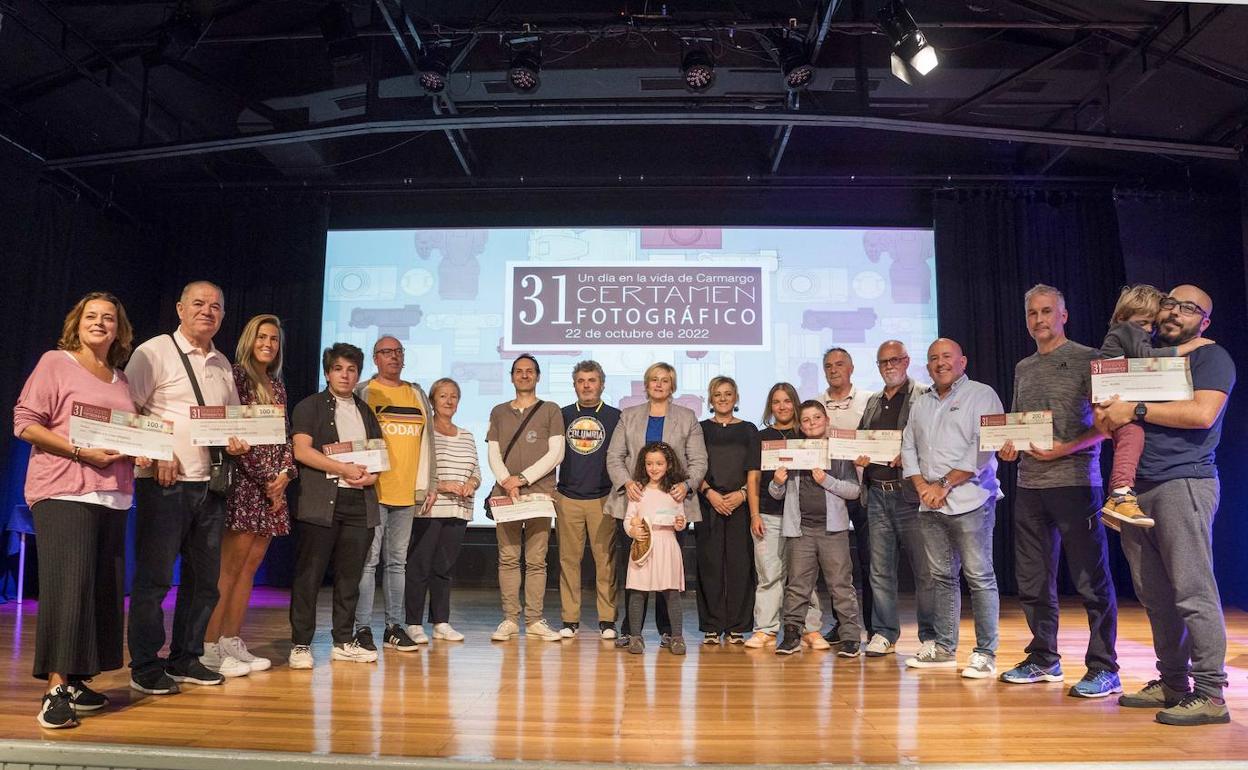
(525, 65)
(698, 69)
(912, 54)
(795, 63)
(433, 71)
(338, 29)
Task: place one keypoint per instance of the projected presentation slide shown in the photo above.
(758, 304)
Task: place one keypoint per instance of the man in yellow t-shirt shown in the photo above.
(404, 413)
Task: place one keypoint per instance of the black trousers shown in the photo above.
(726, 578)
(861, 540)
(431, 555)
(1047, 522)
(82, 571)
(184, 520)
(662, 621)
(345, 544)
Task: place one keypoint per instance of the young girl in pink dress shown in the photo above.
(654, 521)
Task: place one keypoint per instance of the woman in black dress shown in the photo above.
(729, 499)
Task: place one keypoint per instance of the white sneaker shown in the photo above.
(980, 666)
(417, 633)
(932, 655)
(607, 632)
(235, 647)
(506, 631)
(354, 653)
(444, 631)
(568, 631)
(879, 646)
(301, 657)
(218, 660)
(542, 630)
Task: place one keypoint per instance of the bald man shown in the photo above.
(958, 491)
(1172, 563)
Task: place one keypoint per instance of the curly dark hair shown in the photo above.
(675, 473)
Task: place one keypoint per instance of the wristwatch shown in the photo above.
(523, 480)
(943, 481)
(1141, 409)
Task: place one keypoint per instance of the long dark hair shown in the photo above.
(675, 474)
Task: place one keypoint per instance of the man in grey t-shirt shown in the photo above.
(1058, 499)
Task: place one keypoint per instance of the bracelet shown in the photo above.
(75, 457)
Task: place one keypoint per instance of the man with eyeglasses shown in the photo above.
(892, 507)
(403, 410)
(845, 404)
(1172, 563)
(1058, 502)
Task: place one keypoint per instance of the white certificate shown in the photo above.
(1025, 429)
(795, 454)
(370, 452)
(882, 446)
(256, 424)
(665, 517)
(531, 506)
(137, 435)
(1142, 379)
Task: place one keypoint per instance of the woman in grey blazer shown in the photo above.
(656, 420)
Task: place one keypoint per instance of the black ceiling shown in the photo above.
(137, 94)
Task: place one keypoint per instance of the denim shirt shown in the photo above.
(840, 484)
(942, 436)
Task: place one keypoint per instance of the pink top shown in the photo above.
(665, 569)
(56, 383)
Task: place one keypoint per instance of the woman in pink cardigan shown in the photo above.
(79, 498)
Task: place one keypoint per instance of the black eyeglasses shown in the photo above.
(894, 361)
(388, 352)
(1185, 308)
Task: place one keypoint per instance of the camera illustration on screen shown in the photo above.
(682, 238)
(812, 284)
(362, 283)
(459, 271)
(846, 325)
(809, 384)
(567, 245)
(507, 354)
(394, 322)
(489, 375)
(909, 274)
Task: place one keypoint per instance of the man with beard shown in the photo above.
(1172, 563)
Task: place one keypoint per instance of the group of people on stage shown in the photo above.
(625, 482)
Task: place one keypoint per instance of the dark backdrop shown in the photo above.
(267, 252)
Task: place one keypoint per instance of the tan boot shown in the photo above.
(1126, 509)
(760, 640)
(815, 641)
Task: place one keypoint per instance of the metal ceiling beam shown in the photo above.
(582, 119)
(1008, 82)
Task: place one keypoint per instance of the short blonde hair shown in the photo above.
(722, 379)
(1140, 299)
(661, 365)
(119, 351)
(445, 381)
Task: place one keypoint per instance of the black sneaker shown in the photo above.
(791, 642)
(57, 711)
(849, 649)
(84, 698)
(192, 671)
(665, 640)
(153, 681)
(833, 637)
(396, 638)
(568, 631)
(710, 637)
(606, 629)
(622, 640)
(364, 638)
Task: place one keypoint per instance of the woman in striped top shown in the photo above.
(438, 530)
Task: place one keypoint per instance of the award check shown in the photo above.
(1025, 429)
(137, 435)
(256, 424)
(882, 446)
(369, 452)
(1142, 379)
(795, 454)
(531, 506)
(664, 518)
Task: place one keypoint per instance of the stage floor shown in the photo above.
(584, 701)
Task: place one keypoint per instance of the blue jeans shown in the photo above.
(895, 523)
(962, 543)
(390, 541)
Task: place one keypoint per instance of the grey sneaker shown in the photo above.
(980, 666)
(636, 645)
(1195, 709)
(1154, 695)
(879, 646)
(932, 655)
(677, 645)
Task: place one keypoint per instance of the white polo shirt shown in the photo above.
(845, 413)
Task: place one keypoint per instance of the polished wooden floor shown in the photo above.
(582, 700)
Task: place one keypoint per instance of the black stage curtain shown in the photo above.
(991, 247)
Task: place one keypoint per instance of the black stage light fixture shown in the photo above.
(523, 71)
(433, 71)
(795, 64)
(912, 55)
(698, 69)
(338, 29)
